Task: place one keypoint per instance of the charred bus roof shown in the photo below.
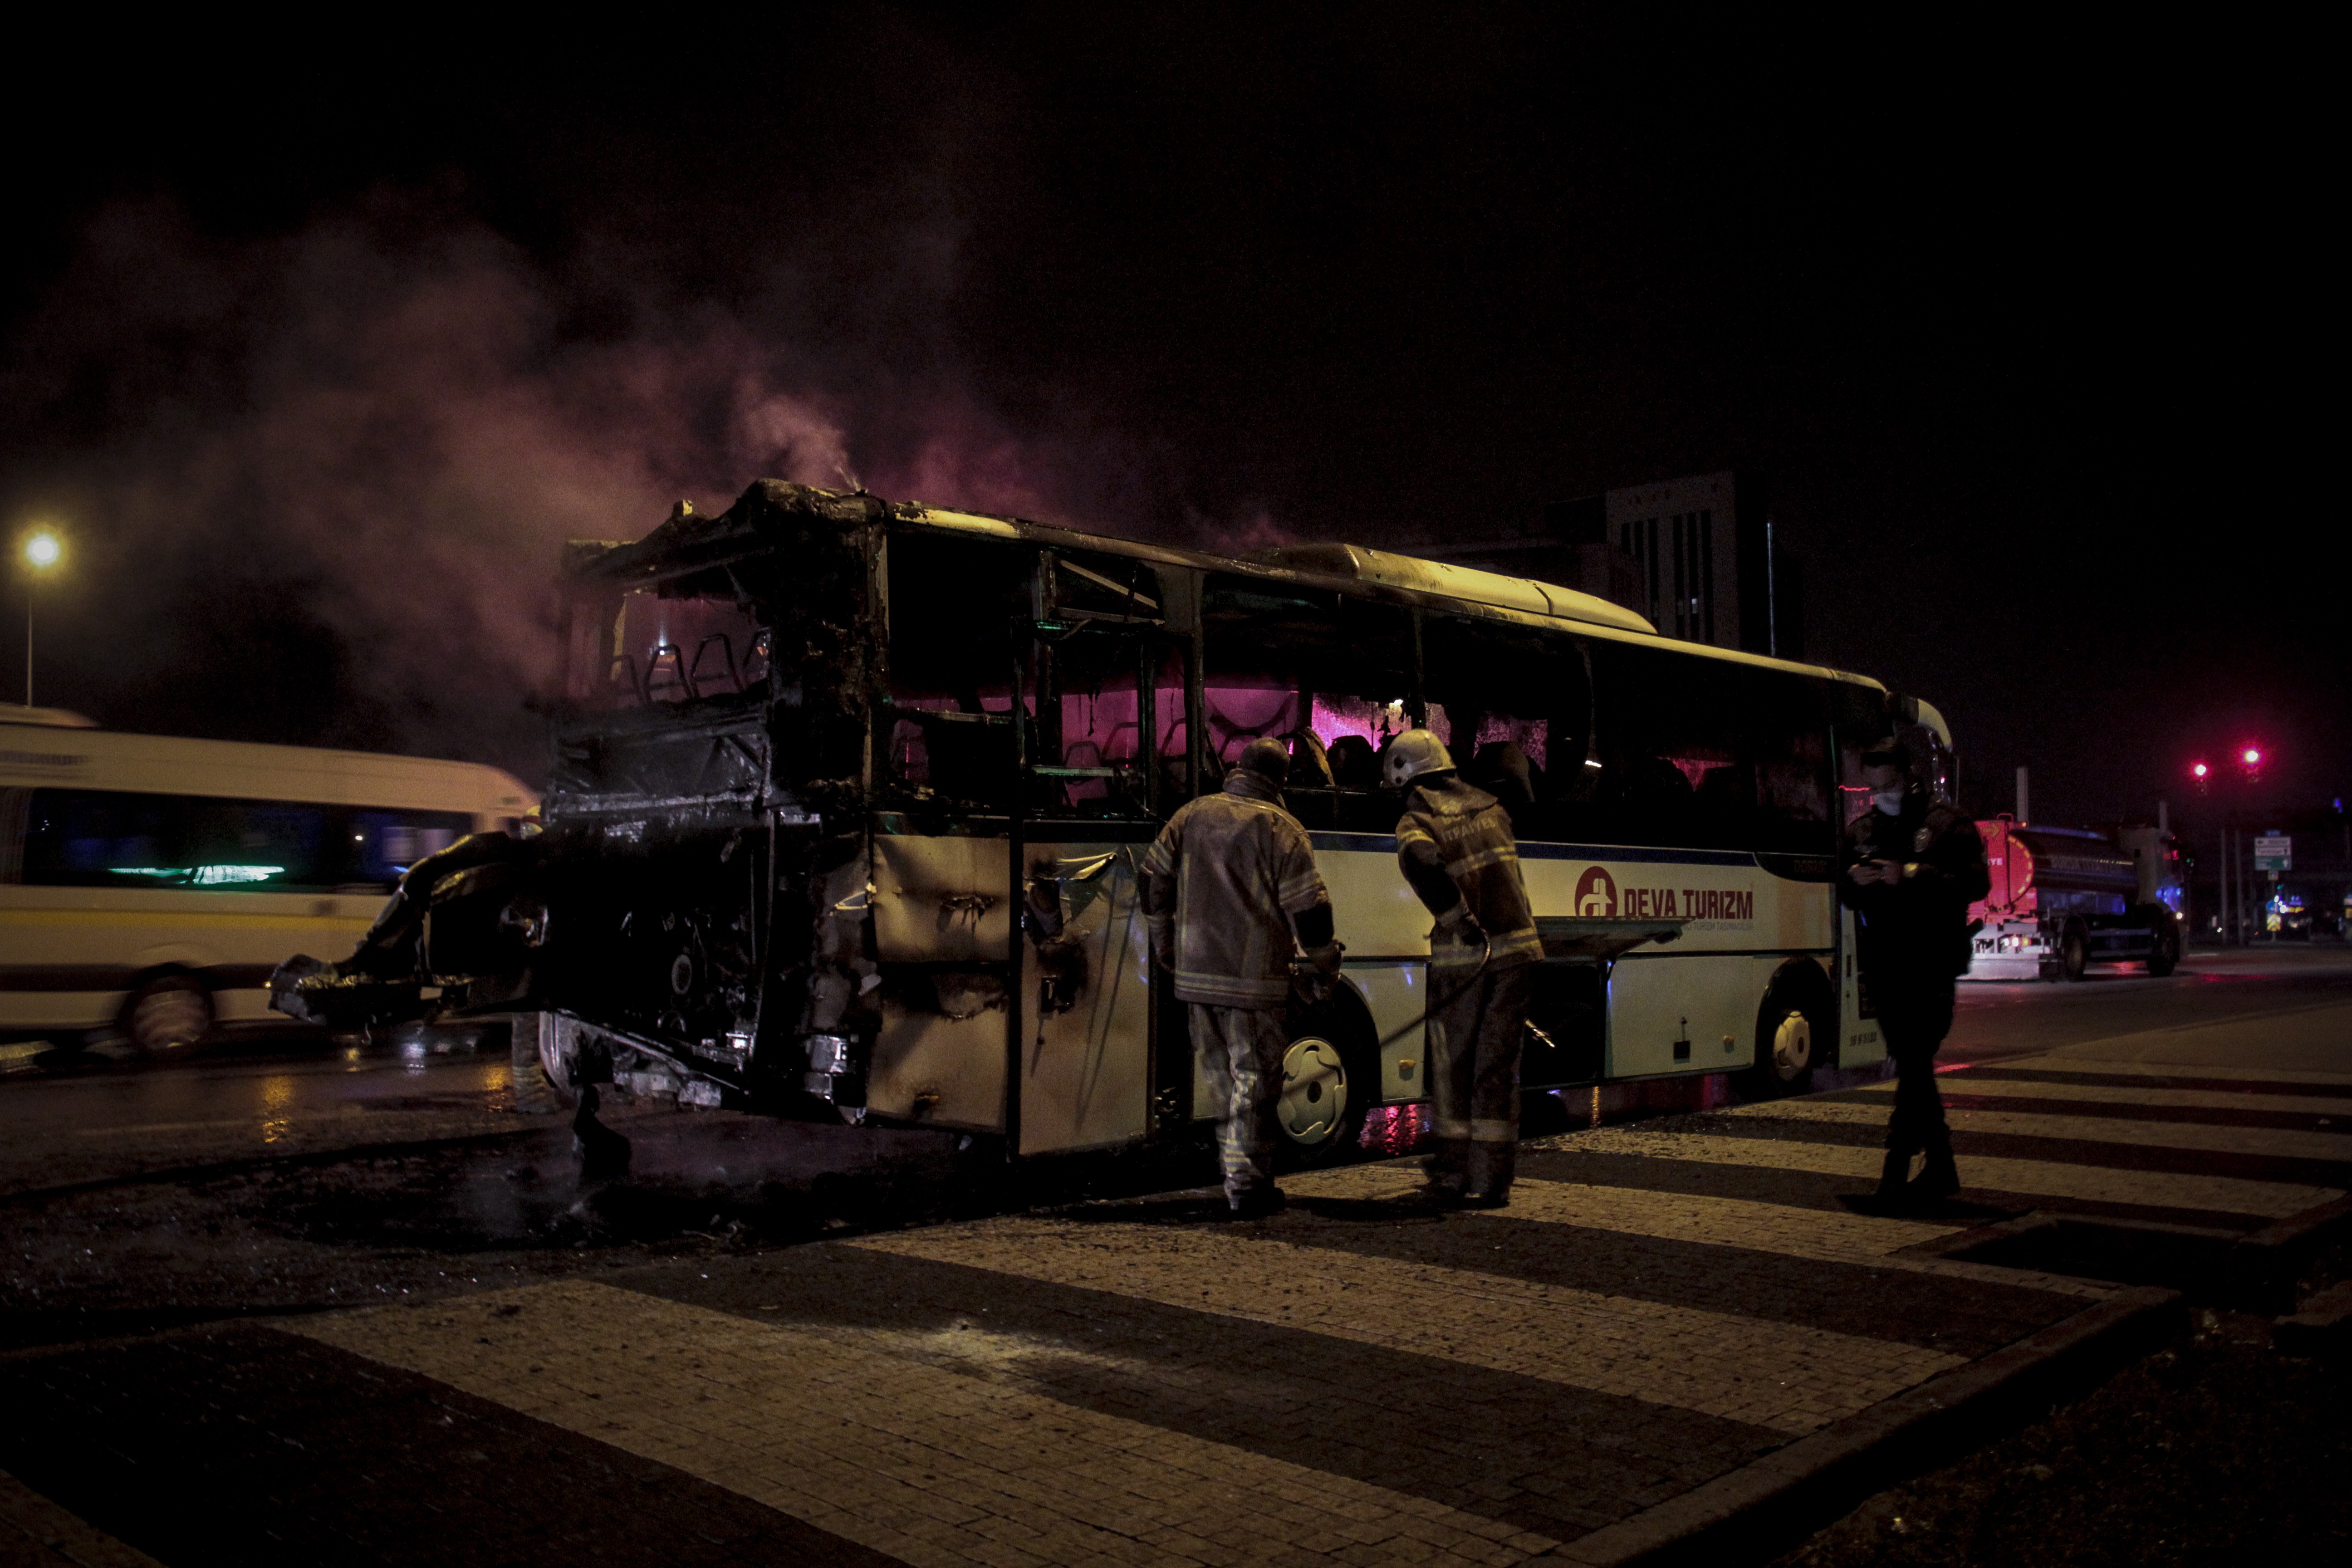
(777, 514)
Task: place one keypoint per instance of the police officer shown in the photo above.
(1455, 848)
(1912, 867)
(1230, 893)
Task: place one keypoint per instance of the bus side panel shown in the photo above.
(1397, 994)
(1861, 1044)
(940, 1067)
(1728, 904)
(1679, 1013)
(1373, 908)
(942, 899)
(1086, 1074)
(939, 901)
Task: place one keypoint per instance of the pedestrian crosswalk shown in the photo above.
(935, 1467)
(1784, 1376)
(2051, 1122)
(2038, 1182)
(1364, 1378)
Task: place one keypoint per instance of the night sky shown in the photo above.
(316, 359)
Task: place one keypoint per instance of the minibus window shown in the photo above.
(117, 838)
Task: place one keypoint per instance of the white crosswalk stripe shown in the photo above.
(2050, 1178)
(1828, 1235)
(2278, 1143)
(2124, 1094)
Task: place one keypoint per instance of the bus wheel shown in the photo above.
(2164, 950)
(1791, 1040)
(2075, 954)
(170, 1013)
(1329, 1079)
(556, 1054)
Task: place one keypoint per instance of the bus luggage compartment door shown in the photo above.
(1568, 1026)
(943, 925)
(1085, 1063)
(1684, 1013)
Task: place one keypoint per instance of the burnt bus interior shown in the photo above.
(756, 707)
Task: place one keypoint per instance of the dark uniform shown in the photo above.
(1914, 941)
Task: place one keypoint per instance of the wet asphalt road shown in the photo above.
(284, 1173)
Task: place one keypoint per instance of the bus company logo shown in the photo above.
(1597, 897)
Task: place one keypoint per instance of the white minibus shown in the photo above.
(149, 884)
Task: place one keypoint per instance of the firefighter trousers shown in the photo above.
(1240, 1050)
(1474, 1077)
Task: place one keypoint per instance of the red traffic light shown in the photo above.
(2200, 771)
(2253, 756)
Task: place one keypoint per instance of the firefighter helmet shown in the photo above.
(1412, 755)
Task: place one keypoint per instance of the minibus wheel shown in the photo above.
(168, 1013)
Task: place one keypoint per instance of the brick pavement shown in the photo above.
(1361, 1379)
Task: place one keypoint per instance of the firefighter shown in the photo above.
(1913, 865)
(1455, 848)
(1232, 894)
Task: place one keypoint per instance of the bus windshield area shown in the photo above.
(655, 649)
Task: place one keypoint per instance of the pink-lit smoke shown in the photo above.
(390, 432)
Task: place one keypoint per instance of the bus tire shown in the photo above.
(2075, 954)
(169, 1014)
(2164, 946)
(554, 1056)
(1794, 1032)
(1331, 1075)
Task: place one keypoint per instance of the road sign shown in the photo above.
(2275, 852)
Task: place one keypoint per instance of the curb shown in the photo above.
(1762, 1509)
(2323, 1327)
(2267, 1263)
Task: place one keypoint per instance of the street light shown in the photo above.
(42, 551)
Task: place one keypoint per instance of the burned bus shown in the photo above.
(847, 798)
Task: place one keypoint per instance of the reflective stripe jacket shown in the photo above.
(1467, 832)
(1242, 869)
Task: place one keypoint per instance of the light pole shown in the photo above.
(42, 550)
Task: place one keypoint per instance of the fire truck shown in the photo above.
(2064, 898)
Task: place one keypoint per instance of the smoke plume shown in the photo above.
(318, 483)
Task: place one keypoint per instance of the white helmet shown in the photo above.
(1412, 755)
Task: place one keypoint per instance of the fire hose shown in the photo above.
(1486, 953)
(1305, 976)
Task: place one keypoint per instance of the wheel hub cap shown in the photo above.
(1792, 1045)
(1314, 1091)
